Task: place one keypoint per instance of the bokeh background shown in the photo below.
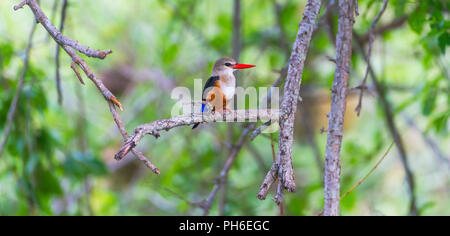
(59, 158)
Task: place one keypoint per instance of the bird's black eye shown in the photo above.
(228, 64)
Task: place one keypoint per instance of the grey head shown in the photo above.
(223, 66)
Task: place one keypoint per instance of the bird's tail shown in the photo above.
(203, 109)
(195, 125)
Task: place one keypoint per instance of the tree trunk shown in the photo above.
(338, 105)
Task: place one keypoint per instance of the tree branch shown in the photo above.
(58, 49)
(389, 116)
(283, 165)
(338, 106)
(224, 173)
(57, 35)
(155, 127)
(396, 23)
(369, 54)
(292, 90)
(15, 101)
(70, 45)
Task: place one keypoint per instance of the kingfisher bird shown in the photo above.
(220, 88)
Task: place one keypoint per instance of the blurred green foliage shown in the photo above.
(59, 159)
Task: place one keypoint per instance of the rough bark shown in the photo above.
(283, 165)
(155, 127)
(338, 106)
(292, 91)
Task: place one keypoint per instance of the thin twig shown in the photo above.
(368, 174)
(56, 35)
(58, 49)
(278, 200)
(356, 8)
(396, 23)
(389, 117)
(70, 45)
(364, 178)
(15, 101)
(369, 53)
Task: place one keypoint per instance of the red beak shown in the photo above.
(242, 66)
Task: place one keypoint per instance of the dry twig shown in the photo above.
(71, 46)
(369, 54)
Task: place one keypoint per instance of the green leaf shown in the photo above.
(444, 41)
(47, 183)
(418, 18)
(429, 102)
(439, 122)
(6, 52)
(79, 165)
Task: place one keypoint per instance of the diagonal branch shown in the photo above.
(70, 45)
(57, 35)
(13, 106)
(393, 129)
(369, 54)
(283, 164)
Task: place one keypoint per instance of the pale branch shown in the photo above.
(394, 24)
(369, 54)
(125, 136)
(260, 129)
(155, 127)
(356, 8)
(270, 178)
(57, 35)
(283, 165)
(280, 190)
(338, 106)
(277, 83)
(77, 73)
(70, 45)
(15, 101)
(90, 74)
(57, 53)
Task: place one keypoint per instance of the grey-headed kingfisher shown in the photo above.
(220, 88)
